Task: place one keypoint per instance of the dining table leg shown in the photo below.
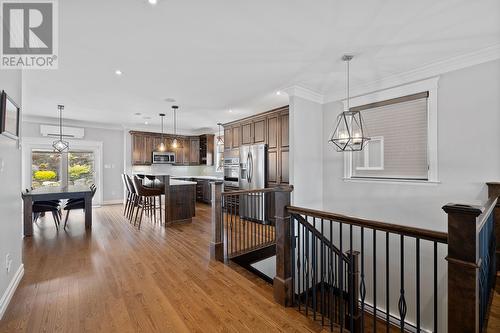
(28, 216)
(88, 210)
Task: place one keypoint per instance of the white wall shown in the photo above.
(468, 156)
(112, 141)
(10, 198)
(306, 142)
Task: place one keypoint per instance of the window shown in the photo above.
(372, 156)
(399, 146)
(55, 169)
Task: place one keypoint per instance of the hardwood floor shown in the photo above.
(120, 279)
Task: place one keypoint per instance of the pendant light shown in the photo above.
(220, 138)
(349, 133)
(161, 146)
(60, 145)
(175, 144)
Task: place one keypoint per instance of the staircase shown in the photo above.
(358, 275)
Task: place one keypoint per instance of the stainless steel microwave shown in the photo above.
(163, 157)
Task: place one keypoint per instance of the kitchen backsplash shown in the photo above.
(178, 170)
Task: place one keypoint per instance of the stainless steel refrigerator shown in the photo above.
(253, 163)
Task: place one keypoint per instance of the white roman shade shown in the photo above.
(399, 150)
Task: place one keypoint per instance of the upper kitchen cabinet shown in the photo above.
(270, 128)
(192, 150)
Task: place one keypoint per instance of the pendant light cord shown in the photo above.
(348, 92)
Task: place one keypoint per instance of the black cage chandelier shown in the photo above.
(60, 145)
(349, 133)
(220, 138)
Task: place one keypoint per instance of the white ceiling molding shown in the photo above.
(437, 68)
(305, 93)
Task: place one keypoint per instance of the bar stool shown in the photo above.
(128, 200)
(133, 198)
(146, 200)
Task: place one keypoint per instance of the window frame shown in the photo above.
(430, 85)
(366, 152)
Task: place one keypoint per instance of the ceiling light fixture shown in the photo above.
(278, 93)
(118, 72)
(175, 143)
(153, 2)
(220, 138)
(60, 145)
(161, 146)
(230, 111)
(349, 133)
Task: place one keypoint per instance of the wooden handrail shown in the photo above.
(435, 236)
(261, 190)
(487, 210)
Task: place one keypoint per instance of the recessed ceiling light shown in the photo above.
(278, 93)
(230, 110)
(170, 100)
(118, 72)
(137, 114)
(145, 123)
(153, 2)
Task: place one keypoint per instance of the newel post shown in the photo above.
(216, 243)
(463, 268)
(282, 284)
(494, 192)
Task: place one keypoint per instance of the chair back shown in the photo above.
(142, 190)
(125, 183)
(130, 184)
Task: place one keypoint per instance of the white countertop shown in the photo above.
(176, 182)
(199, 177)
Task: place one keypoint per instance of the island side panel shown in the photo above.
(182, 203)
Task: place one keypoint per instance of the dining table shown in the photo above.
(56, 193)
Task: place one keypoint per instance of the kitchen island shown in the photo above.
(180, 197)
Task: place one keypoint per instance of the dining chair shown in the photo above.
(146, 200)
(134, 198)
(78, 203)
(128, 200)
(39, 207)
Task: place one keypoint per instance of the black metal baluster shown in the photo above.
(314, 277)
(351, 282)
(331, 283)
(362, 287)
(322, 247)
(293, 245)
(418, 282)
(374, 280)
(341, 278)
(298, 259)
(402, 301)
(308, 265)
(304, 264)
(387, 290)
(435, 289)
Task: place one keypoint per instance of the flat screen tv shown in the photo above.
(9, 116)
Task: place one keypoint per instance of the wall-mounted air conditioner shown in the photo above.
(68, 132)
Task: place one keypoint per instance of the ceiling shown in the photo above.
(216, 56)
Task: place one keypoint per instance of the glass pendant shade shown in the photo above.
(349, 133)
(175, 144)
(60, 145)
(161, 147)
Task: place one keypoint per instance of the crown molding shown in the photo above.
(305, 93)
(434, 69)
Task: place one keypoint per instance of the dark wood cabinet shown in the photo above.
(271, 128)
(236, 136)
(189, 151)
(203, 191)
(259, 130)
(246, 133)
(228, 138)
(194, 150)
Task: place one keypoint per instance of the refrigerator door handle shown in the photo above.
(251, 167)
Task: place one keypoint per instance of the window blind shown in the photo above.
(402, 122)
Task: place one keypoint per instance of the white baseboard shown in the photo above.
(7, 296)
(112, 202)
